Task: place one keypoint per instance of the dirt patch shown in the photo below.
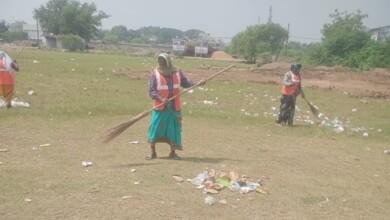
(373, 84)
(221, 55)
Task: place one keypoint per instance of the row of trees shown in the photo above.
(12, 32)
(345, 41)
(77, 23)
(149, 34)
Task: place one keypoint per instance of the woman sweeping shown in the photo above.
(165, 122)
(7, 77)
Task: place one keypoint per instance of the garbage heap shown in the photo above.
(211, 181)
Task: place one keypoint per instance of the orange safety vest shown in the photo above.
(163, 90)
(294, 88)
(6, 78)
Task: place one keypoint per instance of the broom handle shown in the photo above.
(190, 88)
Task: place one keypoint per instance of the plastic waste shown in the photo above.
(86, 163)
(200, 178)
(209, 200)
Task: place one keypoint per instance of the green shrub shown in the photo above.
(72, 42)
(10, 36)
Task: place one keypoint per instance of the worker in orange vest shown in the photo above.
(165, 121)
(7, 77)
(291, 88)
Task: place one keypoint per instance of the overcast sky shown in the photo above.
(220, 18)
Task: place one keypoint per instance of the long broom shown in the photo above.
(116, 131)
(314, 110)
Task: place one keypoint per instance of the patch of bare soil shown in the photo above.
(374, 83)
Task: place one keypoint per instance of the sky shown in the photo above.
(220, 18)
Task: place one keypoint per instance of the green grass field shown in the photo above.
(314, 173)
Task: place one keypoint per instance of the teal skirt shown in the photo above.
(165, 127)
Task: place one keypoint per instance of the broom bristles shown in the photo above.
(116, 131)
(313, 109)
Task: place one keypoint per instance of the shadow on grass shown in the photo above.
(200, 159)
(130, 165)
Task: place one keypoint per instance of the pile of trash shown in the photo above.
(211, 181)
(16, 102)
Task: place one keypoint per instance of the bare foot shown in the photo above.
(173, 156)
(151, 157)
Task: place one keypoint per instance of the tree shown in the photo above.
(259, 40)
(194, 34)
(166, 35)
(344, 36)
(3, 27)
(116, 34)
(62, 17)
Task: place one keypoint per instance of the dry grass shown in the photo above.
(313, 172)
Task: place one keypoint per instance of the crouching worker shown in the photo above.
(7, 77)
(291, 88)
(165, 122)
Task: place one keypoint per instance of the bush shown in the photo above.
(10, 36)
(72, 42)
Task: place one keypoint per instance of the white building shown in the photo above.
(380, 33)
(34, 32)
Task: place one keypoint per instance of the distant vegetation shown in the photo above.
(151, 34)
(259, 41)
(345, 42)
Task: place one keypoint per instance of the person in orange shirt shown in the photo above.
(165, 122)
(7, 77)
(291, 88)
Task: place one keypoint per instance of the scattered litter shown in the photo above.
(365, 134)
(3, 150)
(45, 145)
(209, 200)
(127, 197)
(31, 92)
(354, 110)
(27, 200)
(137, 182)
(386, 152)
(178, 178)
(133, 170)
(73, 70)
(1, 163)
(379, 130)
(86, 163)
(134, 142)
(211, 191)
(35, 61)
(15, 103)
(261, 191)
(222, 201)
(191, 91)
(208, 102)
(338, 129)
(200, 178)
